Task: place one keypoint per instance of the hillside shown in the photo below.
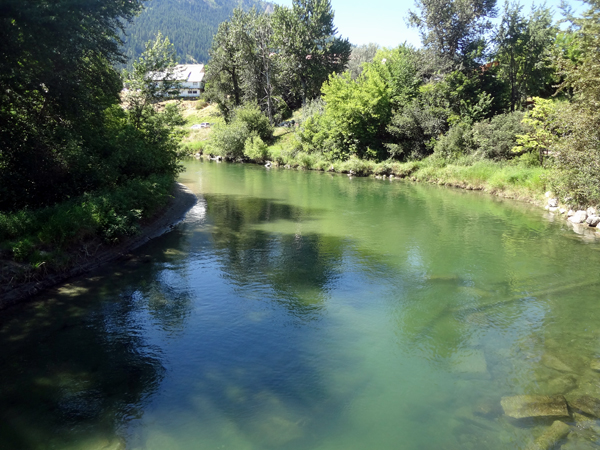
(189, 24)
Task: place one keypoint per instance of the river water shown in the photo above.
(303, 310)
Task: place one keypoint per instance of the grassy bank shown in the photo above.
(515, 178)
(34, 243)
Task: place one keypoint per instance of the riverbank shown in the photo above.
(182, 200)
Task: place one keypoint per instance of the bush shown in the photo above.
(496, 138)
(256, 122)
(255, 149)
(228, 140)
(108, 215)
(458, 141)
(201, 104)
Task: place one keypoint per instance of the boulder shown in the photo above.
(562, 210)
(553, 362)
(587, 404)
(553, 203)
(524, 406)
(593, 221)
(592, 211)
(561, 384)
(548, 194)
(579, 217)
(559, 430)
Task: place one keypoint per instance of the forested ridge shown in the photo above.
(189, 24)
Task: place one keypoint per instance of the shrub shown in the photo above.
(496, 138)
(201, 104)
(256, 122)
(229, 140)
(255, 149)
(456, 142)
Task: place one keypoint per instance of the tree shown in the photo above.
(308, 47)
(152, 79)
(56, 78)
(231, 50)
(453, 30)
(361, 54)
(523, 48)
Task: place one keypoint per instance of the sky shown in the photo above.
(384, 21)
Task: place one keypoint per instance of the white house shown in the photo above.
(191, 77)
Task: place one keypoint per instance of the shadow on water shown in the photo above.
(75, 364)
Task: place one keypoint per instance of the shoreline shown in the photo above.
(545, 201)
(182, 201)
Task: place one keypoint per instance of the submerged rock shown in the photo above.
(524, 406)
(561, 384)
(587, 404)
(488, 408)
(559, 430)
(554, 363)
(595, 365)
(581, 439)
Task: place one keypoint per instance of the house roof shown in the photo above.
(190, 72)
(183, 72)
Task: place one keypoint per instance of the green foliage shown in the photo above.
(544, 129)
(359, 55)
(228, 140)
(308, 48)
(256, 122)
(359, 110)
(108, 215)
(255, 149)
(495, 138)
(453, 30)
(458, 141)
(523, 48)
(398, 67)
(415, 126)
(57, 76)
(577, 155)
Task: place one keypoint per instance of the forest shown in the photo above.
(190, 25)
(512, 99)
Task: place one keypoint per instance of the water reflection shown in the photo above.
(298, 268)
(77, 365)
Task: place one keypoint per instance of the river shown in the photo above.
(305, 310)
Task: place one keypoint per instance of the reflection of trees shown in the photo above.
(75, 366)
(297, 267)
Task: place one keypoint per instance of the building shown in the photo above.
(191, 78)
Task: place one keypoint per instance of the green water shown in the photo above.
(295, 310)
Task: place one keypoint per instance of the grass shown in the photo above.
(53, 237)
